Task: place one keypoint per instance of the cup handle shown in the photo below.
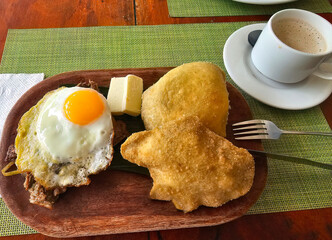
(325, 69)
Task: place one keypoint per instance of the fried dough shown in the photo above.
(192, 89)
(190, 165)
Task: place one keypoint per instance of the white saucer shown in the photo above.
(264, 2)
(305, 94)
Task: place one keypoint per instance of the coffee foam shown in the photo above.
(299, 35)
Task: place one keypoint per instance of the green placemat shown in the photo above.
(52, 51)
(213, 8)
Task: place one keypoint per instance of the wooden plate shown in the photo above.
(116, 202)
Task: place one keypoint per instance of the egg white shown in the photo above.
(64, 139)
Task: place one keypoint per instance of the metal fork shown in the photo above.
(264, 129)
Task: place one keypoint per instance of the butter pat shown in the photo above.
(125, 95)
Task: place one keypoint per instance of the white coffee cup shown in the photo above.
(280, 62)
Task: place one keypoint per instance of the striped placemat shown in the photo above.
(52, 51)
(214, 8)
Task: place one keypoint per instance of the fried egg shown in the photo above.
(65, 137)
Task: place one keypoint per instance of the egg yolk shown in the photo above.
(83, 107)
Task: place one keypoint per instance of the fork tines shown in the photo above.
(257, 130)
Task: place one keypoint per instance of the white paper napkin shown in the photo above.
(12, 87)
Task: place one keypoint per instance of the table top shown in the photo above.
(26, 14)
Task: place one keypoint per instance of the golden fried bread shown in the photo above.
(192, 89)
(191, 165)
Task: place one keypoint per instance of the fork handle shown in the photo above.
(308, 133)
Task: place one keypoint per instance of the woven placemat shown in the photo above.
(214, 8)
(52, 51)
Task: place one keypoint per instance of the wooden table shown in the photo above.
(307, 224)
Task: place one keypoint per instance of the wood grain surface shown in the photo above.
(17, 14)
(306, 224)
(117, 202)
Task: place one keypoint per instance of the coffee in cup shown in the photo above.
(299, 35)
(293, 45)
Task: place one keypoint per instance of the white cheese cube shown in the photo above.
(125, 95)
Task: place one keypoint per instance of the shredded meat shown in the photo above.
(120, 131)
(11, 154)
(89, 84)
(39, 195)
